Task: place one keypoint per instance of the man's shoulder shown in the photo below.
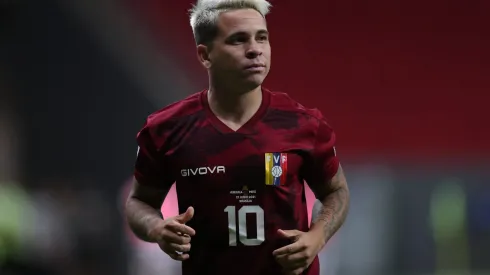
(283, 102)
(176, 111)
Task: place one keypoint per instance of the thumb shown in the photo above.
(289, 234)
(186, 216)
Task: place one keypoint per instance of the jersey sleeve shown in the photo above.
(151, 167)
(323, 162)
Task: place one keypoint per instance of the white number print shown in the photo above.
(242, 225)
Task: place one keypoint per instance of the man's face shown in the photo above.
(241, 53)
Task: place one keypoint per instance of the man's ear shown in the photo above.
(203, 55)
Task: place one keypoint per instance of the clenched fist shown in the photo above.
(173, 236)
(297, 257)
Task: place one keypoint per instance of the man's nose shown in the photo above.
(254, 50)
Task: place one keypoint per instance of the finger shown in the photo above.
(181, 228)
(172, 252)
(289, 258)
(178, 256)
(172, 237)
(180, 247)
(292, 262)
(289, 249)
(293, 259)
(289, 234)
(186, 216)
(297, 271)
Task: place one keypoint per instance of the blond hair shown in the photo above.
(204, 15)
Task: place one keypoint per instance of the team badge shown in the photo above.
(276, 168)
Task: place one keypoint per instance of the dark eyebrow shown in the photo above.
(263, 32)
(239, 33)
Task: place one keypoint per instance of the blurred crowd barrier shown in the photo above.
(408, 220)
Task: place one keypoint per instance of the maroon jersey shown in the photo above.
(244, 185)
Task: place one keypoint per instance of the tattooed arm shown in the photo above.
(315, 212)
(143, 209)
(334, 198)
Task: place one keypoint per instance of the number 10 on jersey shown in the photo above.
(241, 230)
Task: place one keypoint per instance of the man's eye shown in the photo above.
(263, 38)
(239, 40)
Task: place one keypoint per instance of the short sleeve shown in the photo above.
(151, 167)
(323, 162)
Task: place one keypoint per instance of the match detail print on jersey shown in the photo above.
(276, 168)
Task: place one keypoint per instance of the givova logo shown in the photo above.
(201, 171)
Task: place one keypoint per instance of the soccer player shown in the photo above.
(239, 155)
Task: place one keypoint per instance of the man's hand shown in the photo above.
(173, 236)
(297, 257)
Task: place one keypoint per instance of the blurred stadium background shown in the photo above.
(404, 83)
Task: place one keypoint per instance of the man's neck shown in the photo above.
(236, 108)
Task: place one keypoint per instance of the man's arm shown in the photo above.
(143, 209)
(315, 212)
(334, 198)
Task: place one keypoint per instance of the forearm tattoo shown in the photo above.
(334, 205)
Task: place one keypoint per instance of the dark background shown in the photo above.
(404, 84)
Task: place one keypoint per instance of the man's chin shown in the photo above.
(254, 81)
